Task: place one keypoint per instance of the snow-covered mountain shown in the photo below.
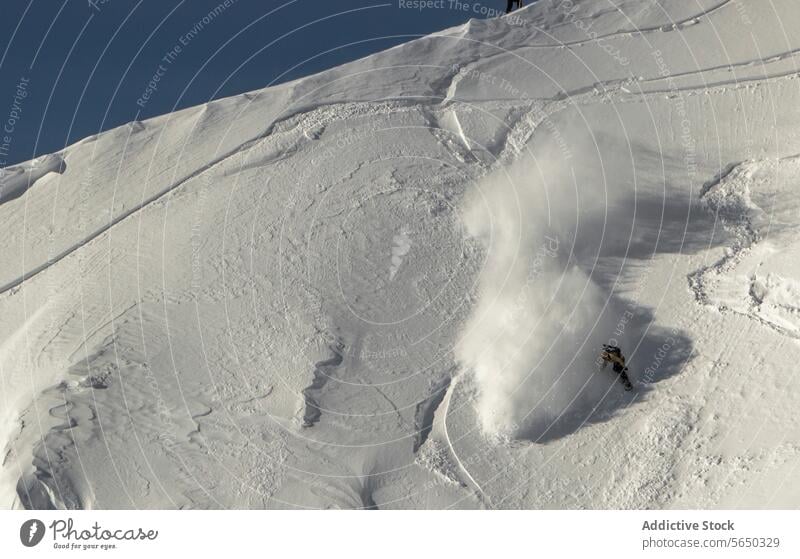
(386, 285)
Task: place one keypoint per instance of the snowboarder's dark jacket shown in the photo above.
(614, 356)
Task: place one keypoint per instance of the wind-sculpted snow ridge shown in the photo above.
(15, 181)
(728, 198)
(533, 337)
(754, 203)
(311, 394)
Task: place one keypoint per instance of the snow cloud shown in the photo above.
(532, 340)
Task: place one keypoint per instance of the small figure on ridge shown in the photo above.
(510, 5)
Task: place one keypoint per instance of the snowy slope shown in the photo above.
(385, 285)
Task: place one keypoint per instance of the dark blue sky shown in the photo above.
(87, 62)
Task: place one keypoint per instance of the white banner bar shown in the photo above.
(354, 534)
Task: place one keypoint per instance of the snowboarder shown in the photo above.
(612, 354)
(510, 5)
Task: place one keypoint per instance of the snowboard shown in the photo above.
(626, 382)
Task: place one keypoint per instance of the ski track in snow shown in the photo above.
(483, 497)
(672, 26)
